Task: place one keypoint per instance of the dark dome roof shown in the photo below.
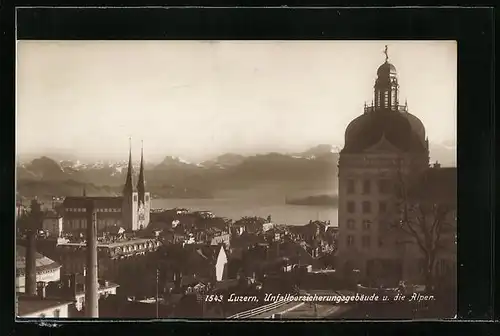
(403, 130)
(386, 69)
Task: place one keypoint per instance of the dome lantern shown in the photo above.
(386, 89)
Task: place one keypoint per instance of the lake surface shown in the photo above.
(235, 208)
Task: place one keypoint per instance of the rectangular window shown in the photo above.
(384, 186)
(350, 187)
(367, 224)
(366, 187)
(382, 207)
(351, 225)
(350, 240)
(351, 207)
(366, 241)
(135, 198)
(367, 207)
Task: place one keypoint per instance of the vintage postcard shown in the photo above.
(236, 179)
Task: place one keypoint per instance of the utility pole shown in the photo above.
(157, 280)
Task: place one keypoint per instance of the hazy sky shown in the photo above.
(198, 99)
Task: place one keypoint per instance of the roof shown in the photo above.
(112, 244)
(296, 253)
(246, 240)
(42, 262)
(31, 305)
(99, 202)
(402, 130)
(386, 69)
(332, 229)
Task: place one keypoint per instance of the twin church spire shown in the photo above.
(141, 183)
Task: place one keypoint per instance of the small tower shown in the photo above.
(141, 188)
(386, 89)
(130, 198)
(144, 204)
(128, 188)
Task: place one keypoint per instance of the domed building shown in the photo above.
(47, 270)
(383, 146)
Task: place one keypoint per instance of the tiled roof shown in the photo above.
(42, 262)
(99, 202)
(28, 305)
(296, 253)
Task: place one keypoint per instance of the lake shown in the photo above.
(235, 208)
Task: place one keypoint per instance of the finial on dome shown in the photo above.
(386, 54)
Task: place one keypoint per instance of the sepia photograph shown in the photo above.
(224, 179)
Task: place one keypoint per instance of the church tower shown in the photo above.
(130, 198)
(144, 204)
(383, 146)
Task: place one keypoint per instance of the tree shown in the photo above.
(426, 207)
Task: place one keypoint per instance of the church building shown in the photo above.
(383, 147)
(131, 211)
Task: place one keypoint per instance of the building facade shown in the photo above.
(47, 270)
(384, 147)
(130, 211)
(53, 225)
(112, 256)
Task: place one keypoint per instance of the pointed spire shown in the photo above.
(141, 187)
(386, 54)
(128, 188)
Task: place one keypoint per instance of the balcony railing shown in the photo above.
(398, 108)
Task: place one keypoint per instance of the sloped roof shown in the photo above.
(99, 202)
(42, 262)
(246, 240)
(296, 253)
(29, 305)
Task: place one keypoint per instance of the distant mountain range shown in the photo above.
(175, 177)
(289, 174)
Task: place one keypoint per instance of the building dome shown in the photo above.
(386, 69)
(386, 118)
(403, 130)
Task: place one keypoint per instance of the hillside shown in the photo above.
(174, 177)
(311, 172)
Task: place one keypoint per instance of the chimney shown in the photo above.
(91, 285)
(40, 289)
(30, 267)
